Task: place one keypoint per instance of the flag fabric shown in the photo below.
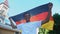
(37, 14)
(49, 25)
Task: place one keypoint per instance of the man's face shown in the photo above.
(27, 16)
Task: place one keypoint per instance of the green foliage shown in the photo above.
(57, 23)
(56, 19)
(56, 26)
(43, 31)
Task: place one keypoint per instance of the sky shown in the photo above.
(20, 6)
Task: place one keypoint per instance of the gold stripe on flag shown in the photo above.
(48, 25)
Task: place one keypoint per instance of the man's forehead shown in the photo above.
(27, 14)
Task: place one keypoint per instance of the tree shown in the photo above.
(56, 28)
(57, 23)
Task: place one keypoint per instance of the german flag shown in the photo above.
(37, 14)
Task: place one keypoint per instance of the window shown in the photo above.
(17, 33)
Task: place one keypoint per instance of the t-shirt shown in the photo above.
(29, 28)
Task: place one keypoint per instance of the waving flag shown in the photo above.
(37, 14)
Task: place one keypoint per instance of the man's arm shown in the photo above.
(12, 24)
(49, 14)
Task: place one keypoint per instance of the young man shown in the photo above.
(29, 27)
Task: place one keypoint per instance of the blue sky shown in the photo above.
(20, 6)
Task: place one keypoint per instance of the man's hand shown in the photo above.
(12, 24)
(49, 14)
(50, 6)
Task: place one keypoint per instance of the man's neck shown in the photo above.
(27, 21)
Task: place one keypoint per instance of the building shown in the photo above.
(5, 29)
(3, 11)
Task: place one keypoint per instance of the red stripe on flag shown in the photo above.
(39, 17)
(20, 22)
(51, 18)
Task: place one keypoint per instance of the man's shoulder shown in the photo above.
(31, 23)
(38, 21)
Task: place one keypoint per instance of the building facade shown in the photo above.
(5, 29)
(3, 11)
